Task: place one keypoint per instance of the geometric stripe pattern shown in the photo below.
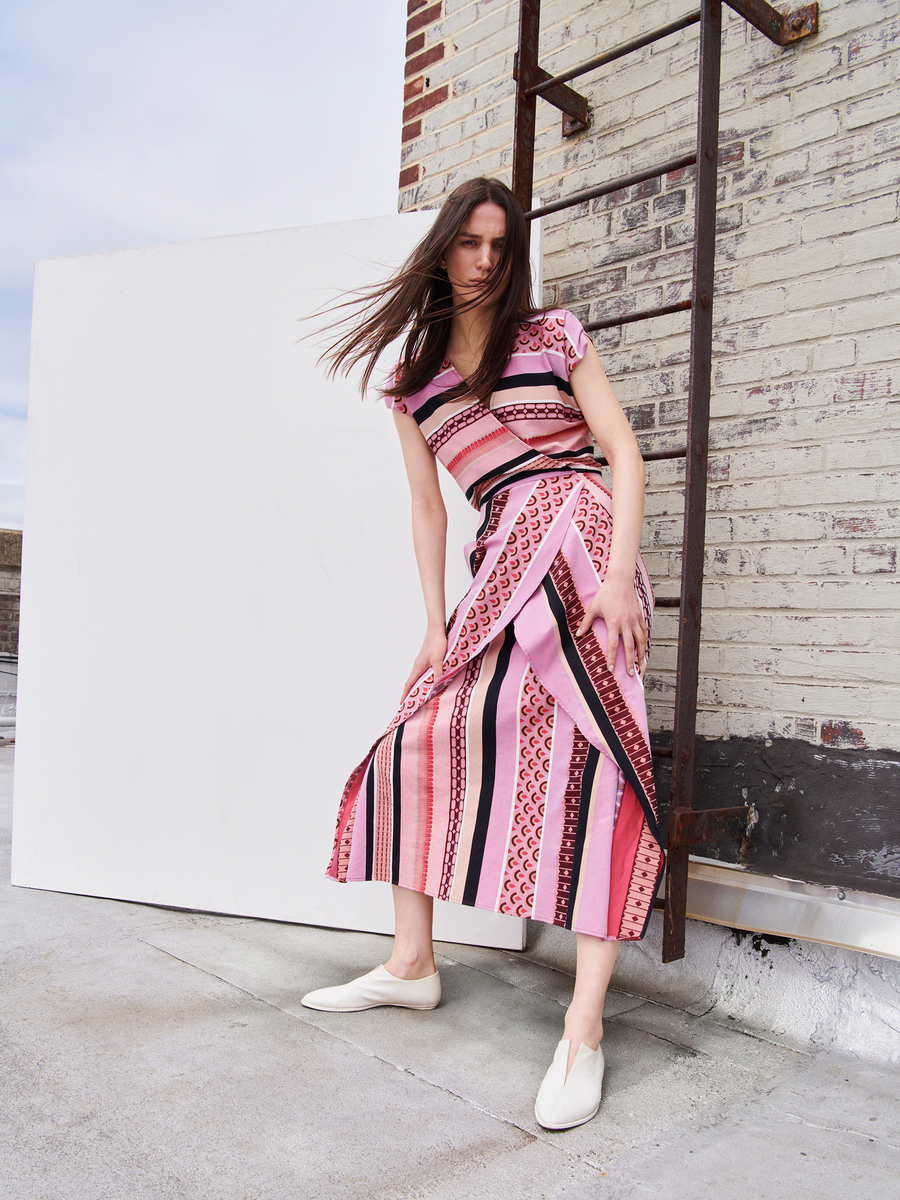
(623, 727)
(571, 805)
(536, 720)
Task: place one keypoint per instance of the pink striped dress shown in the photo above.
(520, 780)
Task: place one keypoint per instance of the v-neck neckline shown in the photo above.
(447, 365)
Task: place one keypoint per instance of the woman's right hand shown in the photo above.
(432, 654)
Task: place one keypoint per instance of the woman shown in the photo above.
(516, 775)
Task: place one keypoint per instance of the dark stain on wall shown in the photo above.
(826, 815)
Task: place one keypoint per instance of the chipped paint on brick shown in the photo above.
(842, 735)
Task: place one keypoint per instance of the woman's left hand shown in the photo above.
(617, 603)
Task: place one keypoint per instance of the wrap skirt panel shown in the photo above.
(520, 780)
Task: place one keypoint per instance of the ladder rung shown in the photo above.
(686, 160)
(660, 751)
(644, 315)
(652, 456)
(668, 602)
(611, 55)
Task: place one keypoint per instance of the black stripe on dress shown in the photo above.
(592, 700)
(489, 767)
(563, 469)
(424, 411)
(395, 805)
(534, 379)
(370, 817)
(584, 452)
(529, 456)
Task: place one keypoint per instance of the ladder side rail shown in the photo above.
(525, 71)
(687, 675)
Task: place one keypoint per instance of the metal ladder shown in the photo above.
(687, 826)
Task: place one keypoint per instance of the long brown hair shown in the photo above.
(419, 299)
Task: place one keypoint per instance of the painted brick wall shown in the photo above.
(10, 577)
(800, 636)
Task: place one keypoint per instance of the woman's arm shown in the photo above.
(429, 526)
(616, 601)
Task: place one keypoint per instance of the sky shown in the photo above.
(129, 122)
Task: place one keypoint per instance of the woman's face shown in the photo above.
(474, 253)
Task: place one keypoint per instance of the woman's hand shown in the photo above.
(617, 603)
(429, 526)
(432, 654)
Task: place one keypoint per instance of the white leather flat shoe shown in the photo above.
(564, 1101)
(377, 988)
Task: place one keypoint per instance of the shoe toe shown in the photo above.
(567, 1100)
(327, 998)
(374, 990)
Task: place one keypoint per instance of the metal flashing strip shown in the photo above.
(722, 894)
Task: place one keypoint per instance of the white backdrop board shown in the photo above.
(219, 596)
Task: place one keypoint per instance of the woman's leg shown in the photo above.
(408, 979)
(584, 1019)
(413, 953)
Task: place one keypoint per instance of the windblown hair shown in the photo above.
(419, 300)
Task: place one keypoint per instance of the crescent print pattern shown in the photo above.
(536, 720)
(519, 780)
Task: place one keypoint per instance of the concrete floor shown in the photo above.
(152, 1055)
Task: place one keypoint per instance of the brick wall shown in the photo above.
(800, 637)
(10, 577)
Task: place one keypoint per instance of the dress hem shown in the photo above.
(603, 937)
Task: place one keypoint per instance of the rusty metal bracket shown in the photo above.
(574, 107)
(525, 64)
(697, 827)
(780, 28)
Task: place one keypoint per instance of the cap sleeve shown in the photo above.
(576, 341)
(395, 403)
